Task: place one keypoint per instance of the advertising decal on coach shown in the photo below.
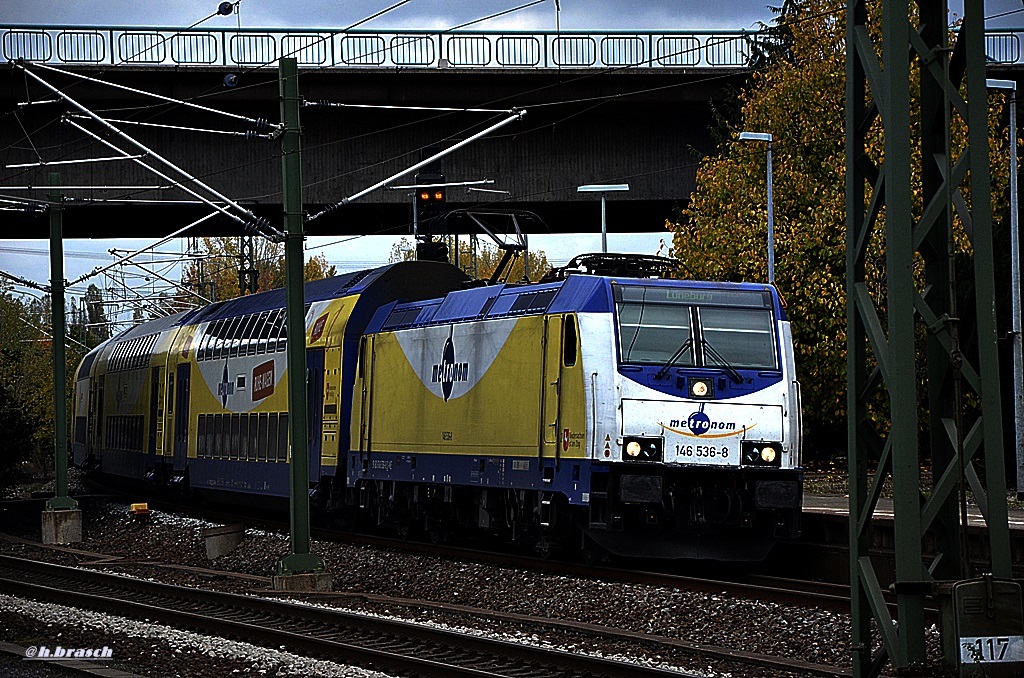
(263, 380)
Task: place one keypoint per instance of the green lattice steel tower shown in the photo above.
(248, 275)
(883, 327)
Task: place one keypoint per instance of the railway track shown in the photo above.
(383, 644)
(369, 641)
(782, 590)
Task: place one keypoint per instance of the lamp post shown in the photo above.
(1015, 334)
(764, 136)
(603, 189)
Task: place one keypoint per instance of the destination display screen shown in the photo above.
(702, 296)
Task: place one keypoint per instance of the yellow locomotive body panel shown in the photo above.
(496, 387)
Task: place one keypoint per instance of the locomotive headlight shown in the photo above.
(643, 448)
(761, 454)
(701, 388)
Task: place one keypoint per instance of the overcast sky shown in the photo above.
(575, 14)
(414, 14)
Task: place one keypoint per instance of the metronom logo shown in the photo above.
(44, 653)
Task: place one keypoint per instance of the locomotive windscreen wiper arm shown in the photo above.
(672, 360)
(733, 373)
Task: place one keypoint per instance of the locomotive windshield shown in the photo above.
(695, 327)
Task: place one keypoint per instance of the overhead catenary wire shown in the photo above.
(50, 335)
(82, 161)
(87, 188)
(248, 134)
(165, 239)
(173, 284)
(25, 282)
(254, 222)
(517, 115)
(257, 122)
(392, 107)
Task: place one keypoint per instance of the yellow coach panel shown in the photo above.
(449, 391)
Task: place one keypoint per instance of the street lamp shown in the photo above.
(1015, 334)
(603, 189)
(764, 136)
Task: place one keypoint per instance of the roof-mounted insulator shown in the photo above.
(261, 226)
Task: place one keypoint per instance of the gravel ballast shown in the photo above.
(723, 620)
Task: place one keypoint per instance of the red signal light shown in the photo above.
(424, 196)
(439, 195)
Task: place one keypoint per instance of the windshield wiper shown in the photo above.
(675, 356)
(733, 373)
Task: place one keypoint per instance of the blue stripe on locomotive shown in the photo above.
(584, 294)
(571, 477)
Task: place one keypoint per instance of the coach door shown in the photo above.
(315, 409)
(99, 441)
(154, 412)
(552, 387)
(365, 394)
(181, 399)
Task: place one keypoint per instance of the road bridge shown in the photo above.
(608, 107)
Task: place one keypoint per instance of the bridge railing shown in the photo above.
(380, 49)
(399, 49)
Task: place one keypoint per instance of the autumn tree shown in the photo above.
(98, 328)
(26, 383)
(215, 275)
(799, 97)
(482, 263)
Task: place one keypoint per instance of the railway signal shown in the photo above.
(431, 203)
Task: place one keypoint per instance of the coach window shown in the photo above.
(253, 435)
(201, 446)
(270, 332)
(243, 436)
(282, 337)
(272, 438)
(231, 340)
(235, 445)
(261, 450)
(264, 331)
(213, 331)
(569, 341)
(246, 338)
(236, 336)
(204, 341)
(282, 438)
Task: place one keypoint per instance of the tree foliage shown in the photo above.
(26, 384)
(215, 275)
(799, 97)
(482, 263)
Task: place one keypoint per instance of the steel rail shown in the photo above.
(394, 644)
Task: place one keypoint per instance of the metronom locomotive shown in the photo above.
(639, 415)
